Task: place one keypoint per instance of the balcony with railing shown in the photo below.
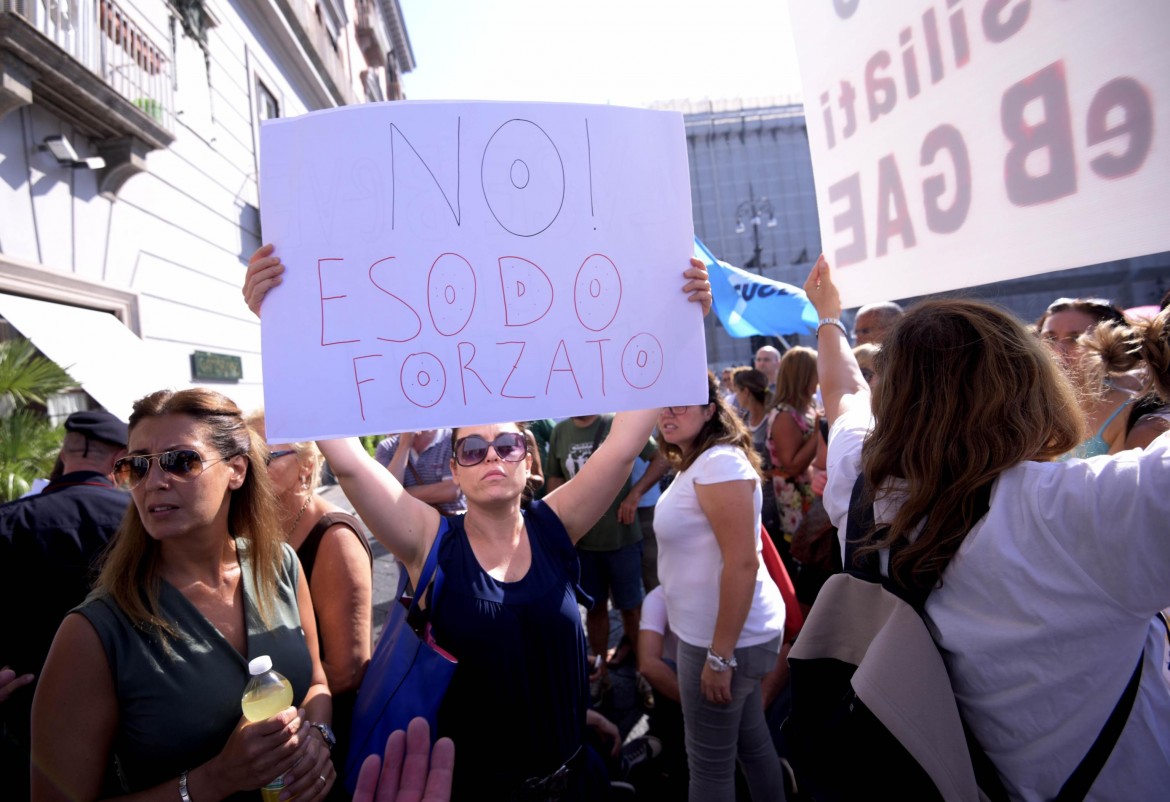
(94, 66)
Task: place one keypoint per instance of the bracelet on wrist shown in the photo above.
(832, 321)
(184, 795)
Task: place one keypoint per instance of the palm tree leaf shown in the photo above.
(28, 449)
(26, 377)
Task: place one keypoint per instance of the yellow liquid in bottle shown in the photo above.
(262, 703)
(266, 701)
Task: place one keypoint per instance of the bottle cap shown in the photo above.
(260, 665)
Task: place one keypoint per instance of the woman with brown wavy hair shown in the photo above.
(141, 690)
(969, 401)
(720, 600)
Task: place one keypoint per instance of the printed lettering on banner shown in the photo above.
(959, 142)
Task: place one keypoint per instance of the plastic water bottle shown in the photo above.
(265, 695)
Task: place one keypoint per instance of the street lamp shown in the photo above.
(753, 210)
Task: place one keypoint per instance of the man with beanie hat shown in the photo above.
(49, 544)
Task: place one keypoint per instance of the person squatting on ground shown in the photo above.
(141, 690)
(721, 602)
(1066, 547)
(516, 706)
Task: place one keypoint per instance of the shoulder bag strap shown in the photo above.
(1077, 786)
(430, 570)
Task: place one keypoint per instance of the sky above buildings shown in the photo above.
(624, 52)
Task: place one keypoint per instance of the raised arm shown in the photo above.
(581, 501)
(402, 523)
(842, 385)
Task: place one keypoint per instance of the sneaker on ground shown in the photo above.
(620, 790)
(639, 751)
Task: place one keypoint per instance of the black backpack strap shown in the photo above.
(1077, 786)
(859, 522)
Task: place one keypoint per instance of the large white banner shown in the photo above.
(459, 263)
(958, 142)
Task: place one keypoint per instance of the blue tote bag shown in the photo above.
(408, 673)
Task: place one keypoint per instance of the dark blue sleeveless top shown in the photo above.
(516, 705)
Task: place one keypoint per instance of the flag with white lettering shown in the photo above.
(748, 305)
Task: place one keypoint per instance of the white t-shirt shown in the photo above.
(654, 619)
(1045, 609)
(689, 560)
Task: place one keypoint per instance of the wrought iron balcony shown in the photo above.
(91, 64)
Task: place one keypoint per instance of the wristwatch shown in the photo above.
(326, 733)
(718, 664)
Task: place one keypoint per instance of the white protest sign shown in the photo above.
(958, 143)
(458, 263)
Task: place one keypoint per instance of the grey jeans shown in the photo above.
(718, 734)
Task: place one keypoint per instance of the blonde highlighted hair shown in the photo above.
(131, 573)
(307, 452)
(798, 371)
(1112, 348)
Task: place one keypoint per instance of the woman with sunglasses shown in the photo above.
(1044, 577)
(141, 690)
(517, 705)
(722, 604)
(1105, 396)
(338, 564)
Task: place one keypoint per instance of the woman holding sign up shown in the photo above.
(516, 707)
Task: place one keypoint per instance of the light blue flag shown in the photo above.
(748, 304)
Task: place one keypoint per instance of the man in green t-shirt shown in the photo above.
(611, 552)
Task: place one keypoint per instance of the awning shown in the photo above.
(103, 356)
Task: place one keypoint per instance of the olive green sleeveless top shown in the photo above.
(179, 699)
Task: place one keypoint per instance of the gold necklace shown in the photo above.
(304, 507)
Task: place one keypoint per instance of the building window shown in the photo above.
(267, 106)
(333, 17)
(373, 86)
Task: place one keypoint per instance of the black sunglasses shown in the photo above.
(473, 449)
(275, 455)
(182, 463)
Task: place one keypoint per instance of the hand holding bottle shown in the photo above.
(258, 752)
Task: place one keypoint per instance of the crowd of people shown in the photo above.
(166, 553)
